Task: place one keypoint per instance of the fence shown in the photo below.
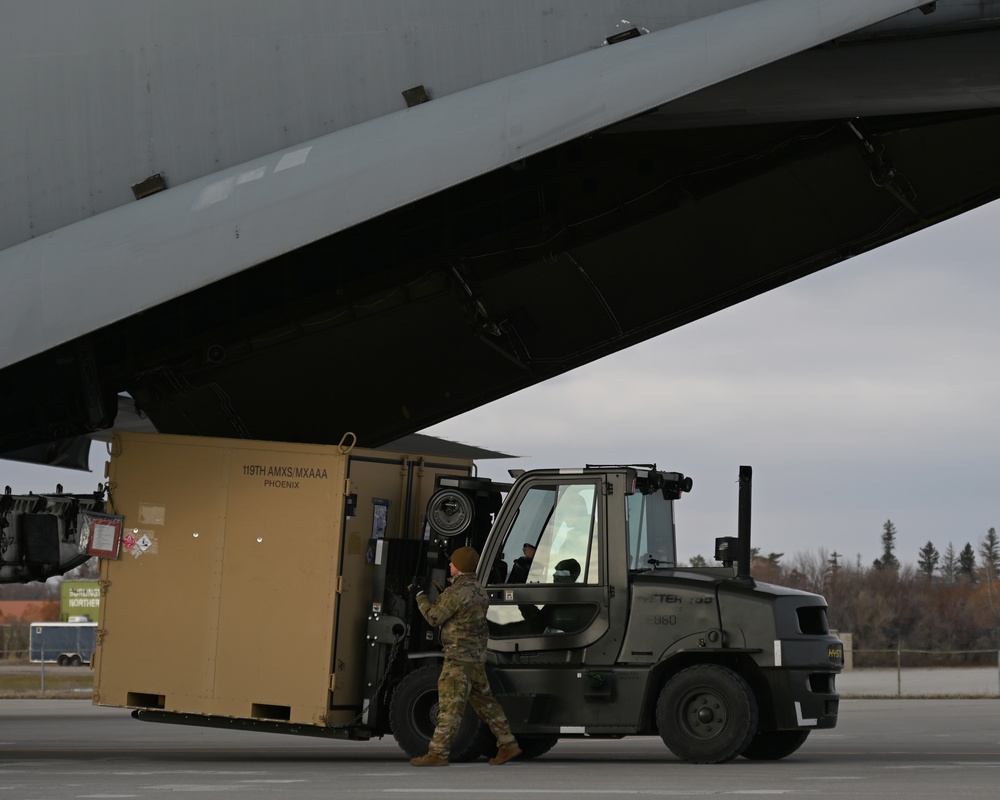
(875, 673)
(68, 644)
(14, 642)
(922, 673)
(902, 657)
(20, 676)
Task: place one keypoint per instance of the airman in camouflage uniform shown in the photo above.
(460, 612)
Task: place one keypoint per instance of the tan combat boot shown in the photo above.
(430, 760)
(506, 753)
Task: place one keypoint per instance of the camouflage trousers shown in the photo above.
(464, 682)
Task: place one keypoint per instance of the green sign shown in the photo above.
(80, 599)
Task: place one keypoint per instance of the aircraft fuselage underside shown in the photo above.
(511, 278)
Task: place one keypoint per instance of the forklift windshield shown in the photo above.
(650, 531)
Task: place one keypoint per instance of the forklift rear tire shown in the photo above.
(707, 714)
(772, 745)
(413, 715)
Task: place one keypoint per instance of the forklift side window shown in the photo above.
(558, 522)
(651, 531)
(533, 512)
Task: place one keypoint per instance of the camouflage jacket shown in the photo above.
(460, 611)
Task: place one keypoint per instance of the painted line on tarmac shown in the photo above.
(608, 792)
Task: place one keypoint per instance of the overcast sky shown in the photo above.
(866, 392)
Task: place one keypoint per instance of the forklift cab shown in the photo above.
(589, 529)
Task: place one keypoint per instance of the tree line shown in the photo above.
(948, 602)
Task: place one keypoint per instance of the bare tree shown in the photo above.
(810, 571)
(949, 565)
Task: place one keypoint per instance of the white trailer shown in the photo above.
(62, 643)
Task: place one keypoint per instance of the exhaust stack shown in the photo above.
(743, 530)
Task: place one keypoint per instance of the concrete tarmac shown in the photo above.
(882, 748)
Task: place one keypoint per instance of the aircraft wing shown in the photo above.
(415, 264)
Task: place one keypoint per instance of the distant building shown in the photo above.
(12, 611)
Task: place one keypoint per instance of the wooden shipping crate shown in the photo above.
(243, 583)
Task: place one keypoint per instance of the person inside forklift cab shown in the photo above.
(566, 571)
(519, 569)
(562, 617)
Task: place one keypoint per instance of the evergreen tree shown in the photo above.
(927, 560)
(949, 565)
(888, 559)
(967, 562)
(699, 561)
(989, 553)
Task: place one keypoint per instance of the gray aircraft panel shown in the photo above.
(118, 91)
(56, 286)
(108, 93)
